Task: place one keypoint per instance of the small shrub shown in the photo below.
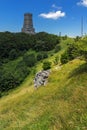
(56, 60)
(46, 65)
(72, 52)
(21, 71)
(45, 55)
(39, 57)
(64, 58)
(30, 59)
(57, 48)
(0, 94)
(42, 55)
(84, 54)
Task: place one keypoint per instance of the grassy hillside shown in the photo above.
(19, 52)
(60, 105)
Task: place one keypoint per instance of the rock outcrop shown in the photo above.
(41, 78)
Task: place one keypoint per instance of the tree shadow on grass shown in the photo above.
(81, 69)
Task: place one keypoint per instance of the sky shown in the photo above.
(52, 16)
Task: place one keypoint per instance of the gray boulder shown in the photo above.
(41, 78)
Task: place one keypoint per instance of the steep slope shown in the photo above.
(60, 105)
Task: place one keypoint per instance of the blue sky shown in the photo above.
(52, 16)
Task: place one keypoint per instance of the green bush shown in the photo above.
(57, 48)
(21, 71)
(39, 56)
(45, 55)
(30, 59)
(64, 58)
(56, 60)
(71, 53)
(0, 94)
(46, 65)
(84, 54)
(42, 55)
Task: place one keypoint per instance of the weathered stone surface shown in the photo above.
(28, 24)
(41, 78)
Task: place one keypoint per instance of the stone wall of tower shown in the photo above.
(28, 24)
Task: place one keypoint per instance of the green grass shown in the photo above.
(60, 105)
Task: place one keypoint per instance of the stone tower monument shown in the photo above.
(28, 24)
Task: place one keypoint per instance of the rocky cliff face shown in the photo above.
(41, 78)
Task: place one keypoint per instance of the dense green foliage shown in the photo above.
(19, 52)
(30, 59)
(46, 65)
(42, 55)
(13, 45)
(57, 48)
(75, 50)
(56, 60)
(11, 75)
(24, 51)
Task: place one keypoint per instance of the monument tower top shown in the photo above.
(28, 24)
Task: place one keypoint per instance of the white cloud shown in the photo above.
(83, 3)
(56, 7)
(53, 15)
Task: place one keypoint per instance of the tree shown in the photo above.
(8, 81)
(30, 59)
(77, 38)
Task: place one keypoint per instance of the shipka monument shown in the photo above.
(28, 24)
